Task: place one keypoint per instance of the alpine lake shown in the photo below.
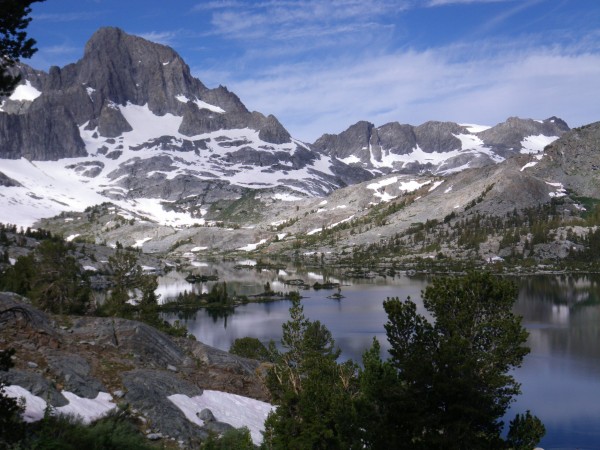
(560, 378)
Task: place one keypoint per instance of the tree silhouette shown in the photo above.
(14, 43)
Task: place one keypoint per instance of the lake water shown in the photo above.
(560, 377)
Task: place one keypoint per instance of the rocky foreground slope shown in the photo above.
(136, 364)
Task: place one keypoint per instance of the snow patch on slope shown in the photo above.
(201, 104)
(536, 144)
(252, 247)
(25, 92)
(474, 128)
(403, 185)
(88, 409)
(233, 409)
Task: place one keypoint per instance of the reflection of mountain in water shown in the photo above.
(562, 314)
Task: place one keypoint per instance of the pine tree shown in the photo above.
(454, 370)
(14, 43)
(313, 391)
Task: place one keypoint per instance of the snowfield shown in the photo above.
(51, 187)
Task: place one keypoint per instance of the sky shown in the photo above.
(322, 65)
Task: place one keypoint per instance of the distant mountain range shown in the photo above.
(129, 124)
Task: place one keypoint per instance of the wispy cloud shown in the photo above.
(64, 49)
(161, 37)
(414, 87)
(505, 15)
(464, 2)
(288, 20)
(210, 5)
(68, 17)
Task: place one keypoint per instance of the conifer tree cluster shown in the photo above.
(446, 384)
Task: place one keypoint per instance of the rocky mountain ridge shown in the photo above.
(129, 121)
(379, 210)
(129, 124)
(438, 147)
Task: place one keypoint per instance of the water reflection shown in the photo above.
(560, 377)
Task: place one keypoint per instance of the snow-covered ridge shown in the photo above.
(50, 187)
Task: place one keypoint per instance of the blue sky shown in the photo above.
(320, 66)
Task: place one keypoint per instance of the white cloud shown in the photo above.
(67, 17)
(161, 37)
(453, 2)
(413, 87)
(284, 20)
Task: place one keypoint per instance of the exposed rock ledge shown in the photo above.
(136, 363)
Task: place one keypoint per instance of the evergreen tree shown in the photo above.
(14, 43)
(127, 275)
(51, 277)
(454, 370)
(313, 391)
(11, 425)
(525, 432)
(58, 284)
(382, 405)
(18, 278)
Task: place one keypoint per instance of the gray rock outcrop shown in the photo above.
(6, 181)
(574, 161)
(147, 391)
(140, 365)
(111, 122)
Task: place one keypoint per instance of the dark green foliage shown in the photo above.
(18, 277)
(51, 277)
(127, 275)
(11, 426)
(525, 432)
(58, 286)
(14, 43)
(114, 432)
(454, 370)
(592, 251)
(129, 278)
(382, 406)
(147, 308)
(238, 439)
(250, 347)
(313, 391)
(218, 294)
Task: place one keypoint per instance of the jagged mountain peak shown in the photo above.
(124, 68)
(435, 146)
(142, 127)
